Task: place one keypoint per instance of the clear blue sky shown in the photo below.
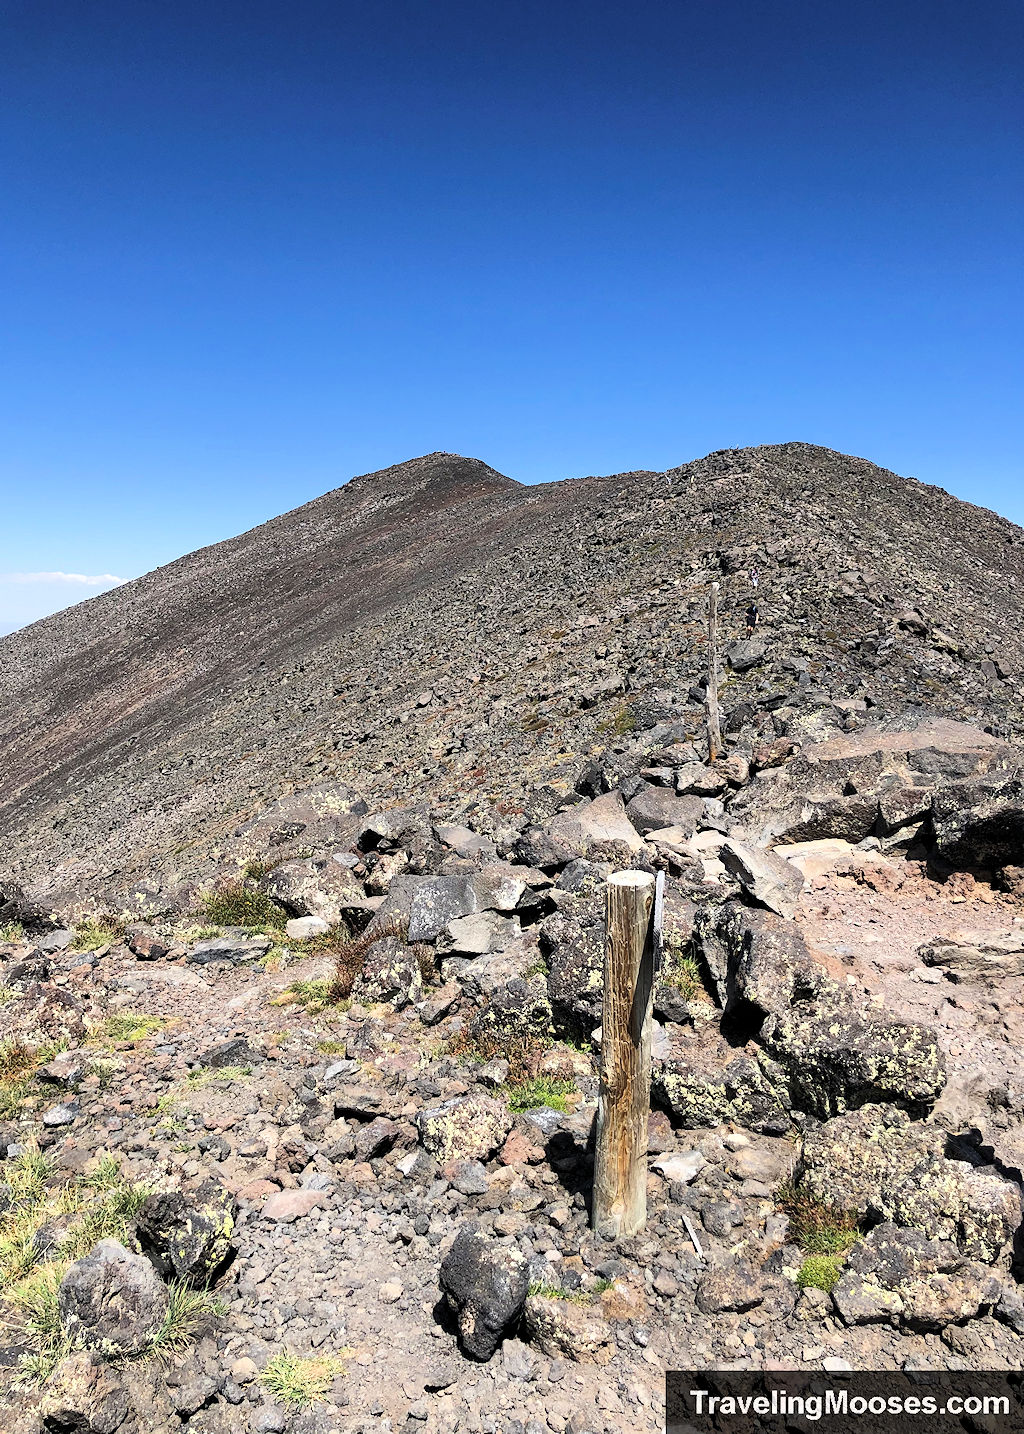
(249, 249)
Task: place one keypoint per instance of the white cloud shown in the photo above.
(99, 580)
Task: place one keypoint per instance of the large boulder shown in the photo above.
(901, 1276)
(469, 1127)
(767, 879)
(758, 963)
(840, 1050)
(112, 1301)
(837, 1049)
(572, 942)
(428, 903)
(188, 1236)
(485, 1285)
(878, 1164)
(316, 888)
(390, 975)
(705, 1082)
(519, 1007)
(656, 807)
(588, 823)
(980, 823)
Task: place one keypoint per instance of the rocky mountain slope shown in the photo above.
(302, 929)
(438, 629)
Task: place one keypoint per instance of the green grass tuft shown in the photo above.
(129, 1026)
(298, 1382)
(538, 1091)
(97, 931)
(236, 904)
(188, 1311)
(820, 1272)
(11, 932)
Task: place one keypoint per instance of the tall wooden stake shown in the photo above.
(711, 700)
(620, 1169)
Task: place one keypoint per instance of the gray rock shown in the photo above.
(83, 1396)
(588, 823)
(768, 879)
(655, 807)
(303, 928)
(977, 955)
(744, 655)
(188, 1234)
(480, 933)
(235, 1052)
(60, 1115)
(237, 949)
(469, 1127)
(735, 1286)
(562, 1329)
(112, 1301)
(485, 1285)
(144, 942)
(390, 975)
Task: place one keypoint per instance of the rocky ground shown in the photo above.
(362, 1142)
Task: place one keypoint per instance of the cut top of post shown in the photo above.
(630, 878)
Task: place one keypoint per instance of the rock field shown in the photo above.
(304, 844)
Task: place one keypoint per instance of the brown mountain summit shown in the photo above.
(438, 629)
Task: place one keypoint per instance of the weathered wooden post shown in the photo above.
(620, 1170)
(711, 699)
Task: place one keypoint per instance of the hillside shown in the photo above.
(305, 857)
(436, 629)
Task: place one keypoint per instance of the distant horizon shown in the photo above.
(100, 584)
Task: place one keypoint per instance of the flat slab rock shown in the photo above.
(977, 955)
(286, 1206)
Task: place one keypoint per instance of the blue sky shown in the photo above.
(250, 249)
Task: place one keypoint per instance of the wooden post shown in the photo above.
(620, 1169)
(711, 700)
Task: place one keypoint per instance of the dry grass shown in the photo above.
(818, 1229)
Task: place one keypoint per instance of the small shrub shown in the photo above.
(16, 1060)
(618, 724)
(97, 931)
(11, 932)
(818, 1228)
(680, 969)
(236, 904)
(256, 869)
(352, 955)
(298, 1382)
(820, 1272)
(522, 1049)
(188, 1310)
(541, 1090)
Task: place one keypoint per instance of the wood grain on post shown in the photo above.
(620, 1170)
(714, 727)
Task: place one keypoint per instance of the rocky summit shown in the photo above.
(304, 842)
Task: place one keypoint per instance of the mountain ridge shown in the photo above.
(528, 615)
